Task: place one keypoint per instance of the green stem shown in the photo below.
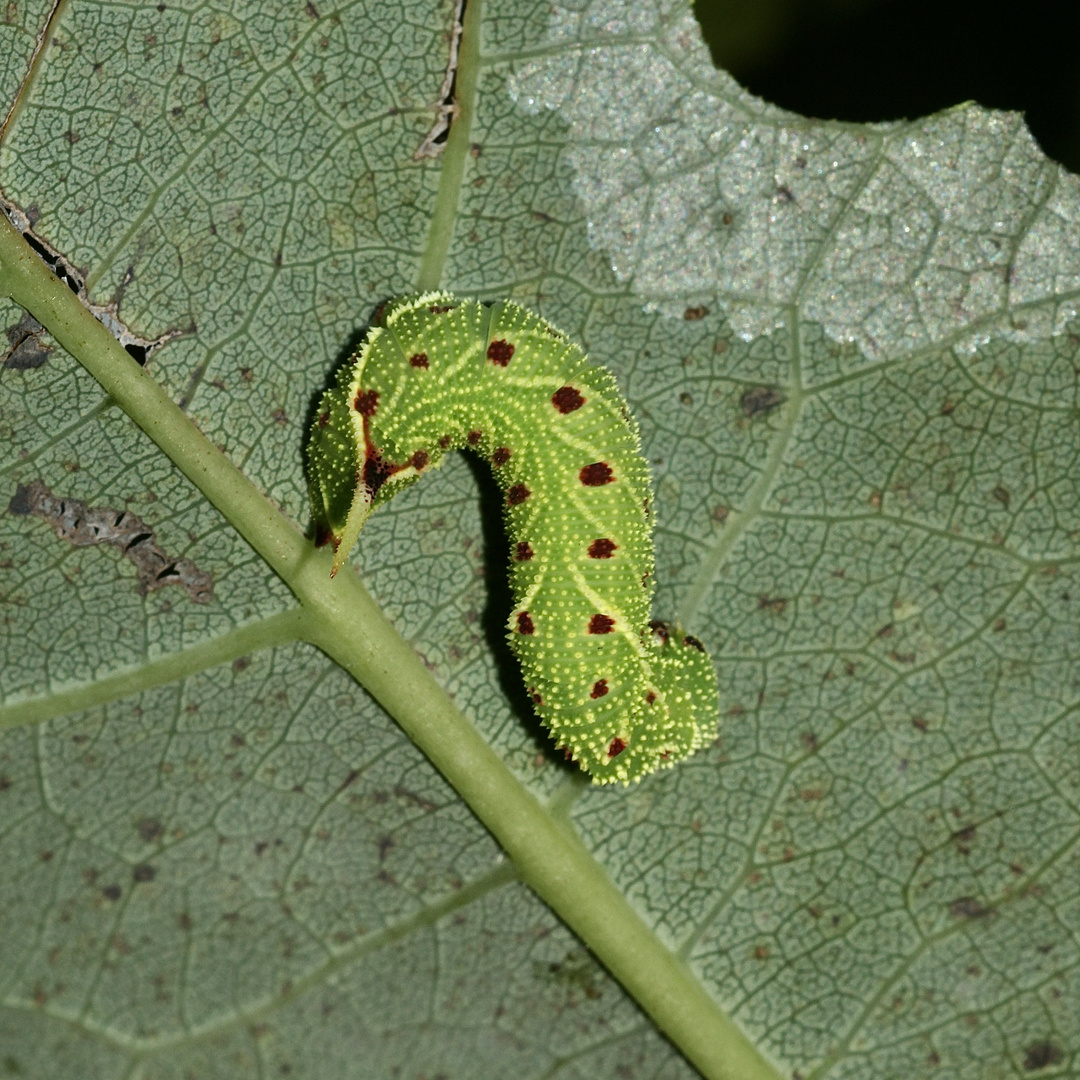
(341, 618)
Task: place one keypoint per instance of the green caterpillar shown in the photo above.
(622, 696)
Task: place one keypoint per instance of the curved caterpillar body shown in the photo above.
(622, 696)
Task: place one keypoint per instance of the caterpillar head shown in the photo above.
(340, 499)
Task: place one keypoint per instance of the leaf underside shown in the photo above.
(853, 355)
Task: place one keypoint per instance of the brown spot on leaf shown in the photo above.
(967, 907)
(150, 829)
(761, 400)
(26, 351)
(963, 839)
(1041, 1055)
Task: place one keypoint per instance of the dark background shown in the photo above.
(870, 60)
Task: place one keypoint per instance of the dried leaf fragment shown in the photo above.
(84, 526)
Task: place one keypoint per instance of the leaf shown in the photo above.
(859, 398)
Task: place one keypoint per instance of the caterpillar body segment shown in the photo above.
(622, 696)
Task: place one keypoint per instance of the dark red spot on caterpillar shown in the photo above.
(501, 456)
(650, 697)
(566, 399)
(616, 748)
(419, 360)
(524, 551)
(602, 548)
(525, 623)
(693, 643)
(367, 401)
(600, 688)
(474, 437)
(499, 353)
(376, 472)
(445, 441)
(517, 494)
(324, 419)
(436, 310)
(601, 624)
(419, 459)
(645, 506)
(597, 474)
(660, 629)
(537, 699)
